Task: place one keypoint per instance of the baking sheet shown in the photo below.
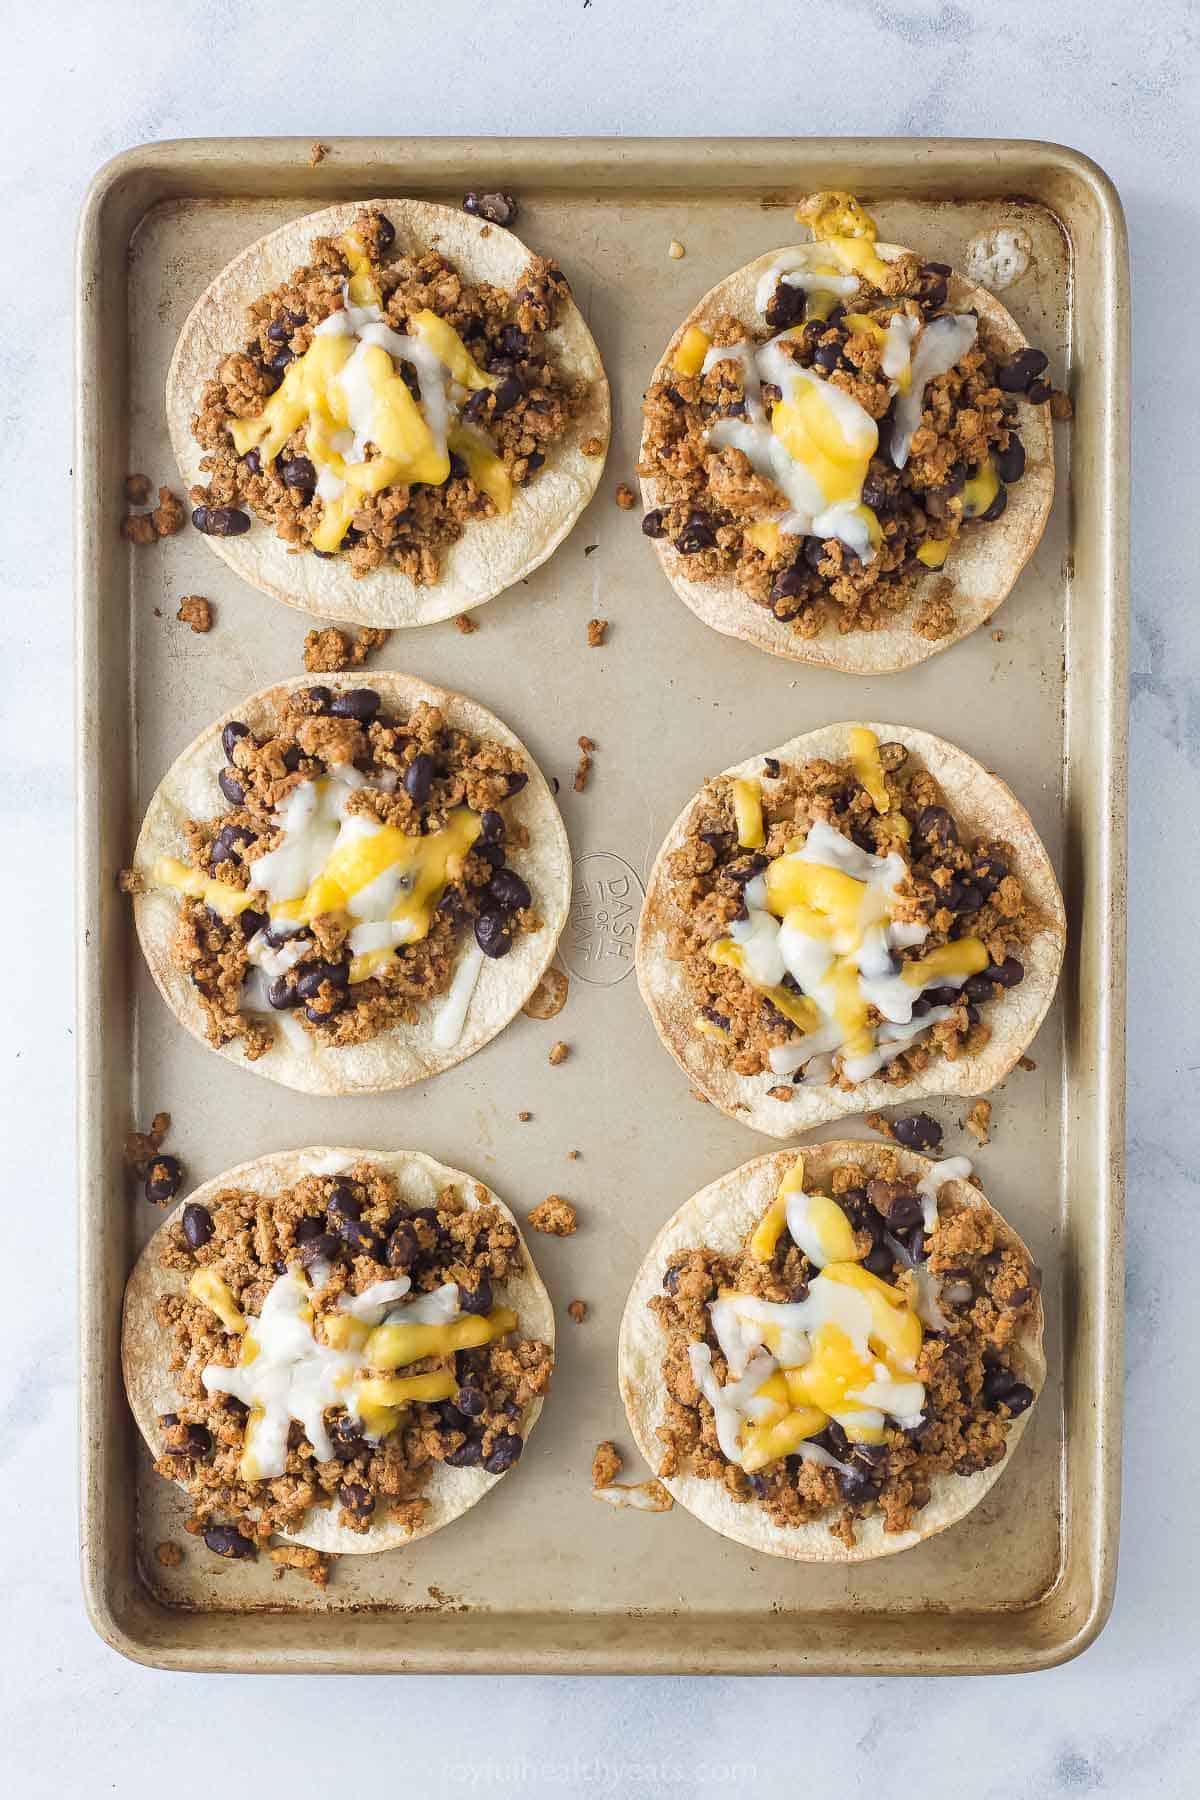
(543, 1576)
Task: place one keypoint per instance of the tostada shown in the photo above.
(387, 412)
(860, 917)
(349, 889)
(346, 1347)
(846, 457)
(832, 1356)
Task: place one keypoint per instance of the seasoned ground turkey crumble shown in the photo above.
(433, 767)
(355, 1222)
(403, 527)
(956, 887)
(707, 497)
(972, 1390)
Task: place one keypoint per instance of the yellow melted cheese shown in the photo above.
(392, 1346)
(748, 814)
(694, 346)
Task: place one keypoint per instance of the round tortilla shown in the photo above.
(146, 1347)
(405, 1053)
(984, 807)
(492, 554)
(981, 568)
(720, 1216)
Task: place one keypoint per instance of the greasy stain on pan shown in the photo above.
(543, 1578)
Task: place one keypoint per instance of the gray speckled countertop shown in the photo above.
(86, 79)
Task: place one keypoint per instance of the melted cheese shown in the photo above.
(286, 1371)
(748, 814)
(363, 430)
(693, 347)
(823, 914)
(847, 1352)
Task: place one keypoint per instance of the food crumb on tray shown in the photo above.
(593, 446)
(577, 1310)
(916, 1131)
(607, 1464)
(675, 250)
(524, 1117)
(625, 497)
(554, 1216)
(169, 1553)
(595, 632)
(583, 768)
(137, 489)
(317, 154)
(310, 1563)
(466, 624)
(329, 651)
(559, 1053)
(497, 209)
(196, 611)
(978, 1121)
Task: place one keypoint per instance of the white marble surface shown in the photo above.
(85, 80)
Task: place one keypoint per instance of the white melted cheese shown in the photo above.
(452, 1014)
(954, 1168)
(291, 1376)
(943, 342)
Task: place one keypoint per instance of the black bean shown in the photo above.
(230, 735)
(227, 843)
(477, 1299)
(878, 1260)
(899, 1205)
(936, 268)
(934, 294)
(357, 1499)
(348, 1440)
(360, 1239)
(1008, 974)
(1014, 376)
(1010, 463)
(279, 331)
(282, 995)
(321, 1248)
(278, 363)
(814, 551)
(516, 781)
(996, 509)
(874, 493)
(671, 1280)
(492, 933)
(491, 828)
(253, 922)
(747, 868)
(197, 1225)
(309, 1227)
(470, 1400)
(790, 581)
(935, 826)
(220, 521)
(717, 840)
(917, 1132)
(418, 777)
(785, 307)
(652, 523)
(497, 209)
(163, 1178)
(199, 1441)
(508, 890)
(321, 697)
(505, 1451)
(355, 703)
(451, 1418)
(828, 357)
(697, 535)
(969, 900)
(345, 1201)
(402, 1247)
(385, 233)
(314, 977)
(977, 987)
(298, 472)
(253, 462)
(467, 1456)
(506, 394)
(223, 1540)
(231, 787)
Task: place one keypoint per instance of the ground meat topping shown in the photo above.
(970, 1370)
(957, 886)
(419, 772)
(722, 514)
(524, 410)
(355, 1225)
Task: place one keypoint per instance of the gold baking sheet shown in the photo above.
(542, 1576)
